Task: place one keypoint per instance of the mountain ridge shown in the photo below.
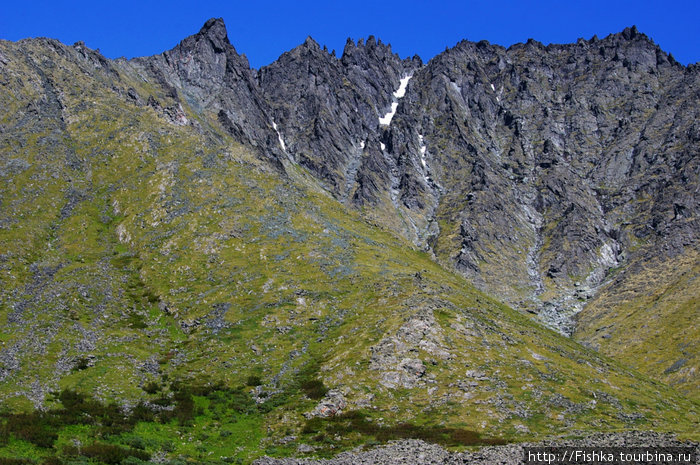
(406, 190)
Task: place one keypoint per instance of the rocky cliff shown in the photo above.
(535, 171)
(544, 166)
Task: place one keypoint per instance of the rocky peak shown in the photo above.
(210, 75)
(363, 51)
(630, 33)
(211, 40)
(630, 36)
(633, 49)
(214, 30)
(340, 102)
(307, 54)
(311, 43)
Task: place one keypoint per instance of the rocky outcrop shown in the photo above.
(395, 357)
(422, 453)
(328, 109)
(207, 72)
(556, 162)
(333, 403)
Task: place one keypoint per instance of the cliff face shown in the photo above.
(183, 216)
(555, 163)
(535, 170)
(214, 80)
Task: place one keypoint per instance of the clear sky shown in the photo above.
(264, 29)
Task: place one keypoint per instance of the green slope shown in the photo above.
(645, 318)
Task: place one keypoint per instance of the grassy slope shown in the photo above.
(645, 317)
(135, 250)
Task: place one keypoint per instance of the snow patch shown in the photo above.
(401, 91)
(386, 119)
(279, 136)
(398, 94)
(422, 150)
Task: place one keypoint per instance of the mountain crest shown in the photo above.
(310, 42)
(212, 39)
(630, 33)
(215, 31)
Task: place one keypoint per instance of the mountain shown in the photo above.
(334, 251)
(537, 172)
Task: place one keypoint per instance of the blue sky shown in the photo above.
(264, 29)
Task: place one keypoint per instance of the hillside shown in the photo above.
(275, 267)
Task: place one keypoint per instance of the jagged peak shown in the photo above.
(417, 60)
(309, 42)
(483, 47)
(371, 44)
(309, 50)
(214, 28)
(534, 43)
(630, 33)
(214, 32)
(308, 47)
(349, 46)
